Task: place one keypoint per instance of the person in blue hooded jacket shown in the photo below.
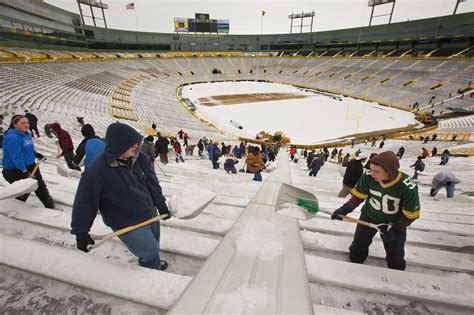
(19, 159)
(89, 148)
(121, 183)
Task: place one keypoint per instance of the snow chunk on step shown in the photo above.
(246, 300)
(271, 166)
(292, 210)
(190, 201)
(18, 188)
(259, 238)
(65, 171)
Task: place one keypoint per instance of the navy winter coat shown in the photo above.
(353, 173)
(124, 195)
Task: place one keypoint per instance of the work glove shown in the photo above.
(344, 210)
(83, 240)
(165, 210)
(391, 233)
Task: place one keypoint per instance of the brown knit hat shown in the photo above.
(388, 161)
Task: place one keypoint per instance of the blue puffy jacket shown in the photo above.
(18, 150)
(124, 195)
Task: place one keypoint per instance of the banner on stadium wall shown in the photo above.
(223, 26)
(181, 25)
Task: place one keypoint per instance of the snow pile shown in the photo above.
(292, 210)
(270, 167)
(246, 300)
(18, 188)
(65, 171)
(259, 238)
(190, 201)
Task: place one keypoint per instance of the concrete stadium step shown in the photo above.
(416, 256)
(416, 287)
(137, 284)
(422, 238)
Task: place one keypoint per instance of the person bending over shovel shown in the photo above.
(121, 183)
(390, 197)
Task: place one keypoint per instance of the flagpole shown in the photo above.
(136, 19)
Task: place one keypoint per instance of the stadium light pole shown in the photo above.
(301, 16)
(374, 3)
(93, 4)
(457, 5)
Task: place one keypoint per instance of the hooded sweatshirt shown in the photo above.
(125, 195)
(18, 150)
(64, 139)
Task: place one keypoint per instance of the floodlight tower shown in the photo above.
(91, 4)
(374, 3)
(302, 15)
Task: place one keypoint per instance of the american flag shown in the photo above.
(130, 6)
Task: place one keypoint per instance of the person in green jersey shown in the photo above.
(390, 197)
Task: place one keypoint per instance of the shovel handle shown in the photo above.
(361, 222)
(139, 225)
(35, 169)
(125, 230)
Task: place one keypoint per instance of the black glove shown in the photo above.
(344, 210)
(392, 232)
(83, 240)
(39, 156)
(29, 175)
(165, 210)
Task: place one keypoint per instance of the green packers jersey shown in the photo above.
(385, 203)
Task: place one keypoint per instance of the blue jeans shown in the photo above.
(257, 176)
(415, 176)
(450, 190)
(144, 243)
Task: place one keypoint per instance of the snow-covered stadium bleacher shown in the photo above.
(440, 261)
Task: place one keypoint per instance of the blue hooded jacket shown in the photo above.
(124, 195)
(18, 150)
(90, 148)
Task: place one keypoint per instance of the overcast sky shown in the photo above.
(246, 15)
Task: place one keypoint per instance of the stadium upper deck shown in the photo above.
(34, 23)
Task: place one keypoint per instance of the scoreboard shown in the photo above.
(201, 24)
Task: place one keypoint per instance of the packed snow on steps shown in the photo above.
(133, 283)
(454, 293)
(17, 188)
(179, 241)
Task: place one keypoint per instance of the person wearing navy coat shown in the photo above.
(121, 183)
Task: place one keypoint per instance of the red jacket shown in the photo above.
(177, 147)
(64, 139)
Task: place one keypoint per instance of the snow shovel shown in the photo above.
(161, 170)
(110, 236)
(188, 202)
(21, 187)
(307, 201)
(185, 211)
